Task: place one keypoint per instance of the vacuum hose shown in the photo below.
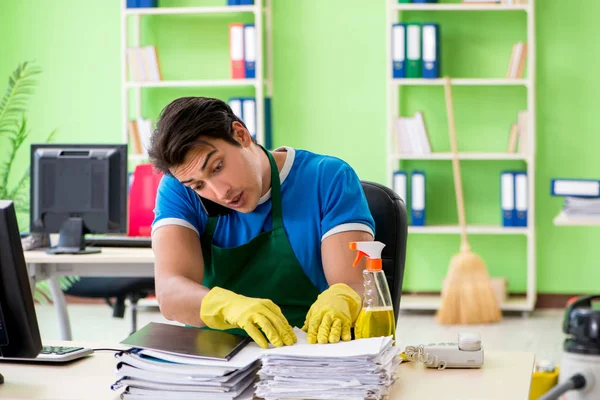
(576, 382)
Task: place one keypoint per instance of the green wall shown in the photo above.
(329, 97)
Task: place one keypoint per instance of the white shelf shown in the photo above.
(190, 10)
(432, 303)
(199, 83)
(137, 157)
(462, 156)
(564, 220)
(471, 229)
(461, 82)
(460, 7)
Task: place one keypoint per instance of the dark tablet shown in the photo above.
(194, 342)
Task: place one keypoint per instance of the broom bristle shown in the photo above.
(468, 296)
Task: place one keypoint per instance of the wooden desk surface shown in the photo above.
(505, 375)
(121, 255)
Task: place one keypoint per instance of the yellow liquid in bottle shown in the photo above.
(375, 322)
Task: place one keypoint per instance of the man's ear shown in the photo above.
(241, 134)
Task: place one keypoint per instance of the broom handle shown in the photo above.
(460, 204)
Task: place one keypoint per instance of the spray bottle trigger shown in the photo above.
(359, 256)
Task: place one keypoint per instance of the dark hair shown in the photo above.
(184, 123)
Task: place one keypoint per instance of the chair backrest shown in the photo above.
(391, 228)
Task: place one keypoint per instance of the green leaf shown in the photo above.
(14, 102)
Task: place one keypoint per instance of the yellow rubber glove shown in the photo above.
(332, 315)
(224, 309)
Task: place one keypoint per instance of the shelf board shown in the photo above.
(461, 156)
(432, 303)
(137, 157)
(471, 229)
(199, 83)
(190, 10)
(563, 219)
(461, 82)
(460, 7)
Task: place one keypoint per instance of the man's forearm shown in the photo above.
(180, 299)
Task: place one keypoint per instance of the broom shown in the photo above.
(468, 296)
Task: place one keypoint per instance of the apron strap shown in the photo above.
(276, 214)
(210, 227)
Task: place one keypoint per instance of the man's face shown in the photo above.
(223, 173)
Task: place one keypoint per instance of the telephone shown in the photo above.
(466, 353)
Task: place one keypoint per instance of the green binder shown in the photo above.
(414, 51)
(403, 1)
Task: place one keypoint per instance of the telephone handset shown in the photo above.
(213, 209)
(466, 353)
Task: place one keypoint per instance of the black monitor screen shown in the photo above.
(78, 189)
(19, 332)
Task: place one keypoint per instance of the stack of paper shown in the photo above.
(149, 374)
(174, 362)
(582, 207)
(358, 369)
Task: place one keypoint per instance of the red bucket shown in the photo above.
(142, 199)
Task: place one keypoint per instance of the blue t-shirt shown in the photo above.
(321, 196)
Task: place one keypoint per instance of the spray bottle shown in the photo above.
(376, 318)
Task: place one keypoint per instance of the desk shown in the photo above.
(503, 376)
(113, 261)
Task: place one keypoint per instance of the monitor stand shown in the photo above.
(71, 239)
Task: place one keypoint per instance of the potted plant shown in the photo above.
(14, 132)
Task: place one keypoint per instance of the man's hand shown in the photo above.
(332, 315)
(224, 309)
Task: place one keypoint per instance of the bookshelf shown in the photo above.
(131, 32)
(397, 13)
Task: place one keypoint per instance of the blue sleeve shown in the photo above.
(343, 202)
(177, 205)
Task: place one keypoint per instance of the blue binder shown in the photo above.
(246, 2)
(575, 187)
(417, 200)
(398, 50)
(507, 198)
(233, 2)
(147, 3)
(521, 198)
(132, 3)
(250, 51)
(424, 1)
(431, 51)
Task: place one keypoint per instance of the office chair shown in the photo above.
(132, 289)
(391, 228)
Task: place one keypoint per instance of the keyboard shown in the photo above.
(117, 241)
(55, 354)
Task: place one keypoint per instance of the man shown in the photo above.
(251, 239)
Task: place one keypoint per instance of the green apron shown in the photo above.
(266, 267)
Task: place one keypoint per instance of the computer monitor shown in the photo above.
(19, 331)
(78, 189)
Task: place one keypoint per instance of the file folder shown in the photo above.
(236, 106)
(414, 61)
(507, 193)
(521, 198)
(249, 113)
(575, 187)
(147, 3)
(398, 50)
(417, 201)
(236, 51)
(400, 185)
(431, 52)
(249, 51)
